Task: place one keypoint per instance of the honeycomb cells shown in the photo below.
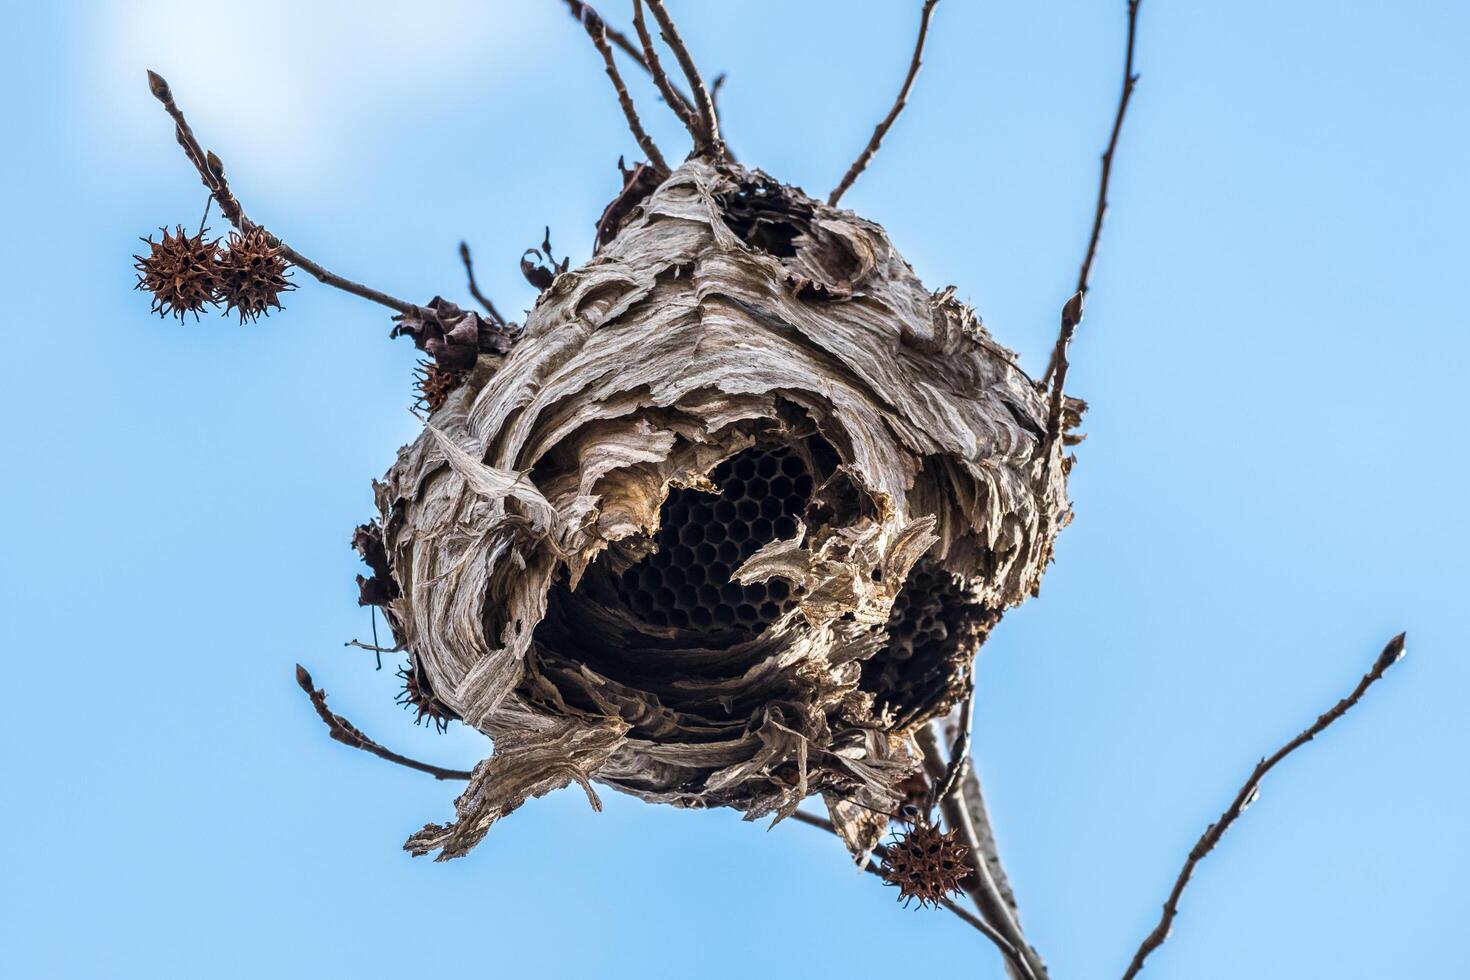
(686, 582)
(918, 619)
(933, 631)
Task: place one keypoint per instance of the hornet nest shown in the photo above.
(726, 524)
(725, 520)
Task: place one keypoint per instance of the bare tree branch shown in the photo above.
(677, 100)
(882, 128)
(961, 774)
(974, 800)
(822, 823)
(1084, 275)
(959, 753)
(597, 30)
(469, 271)
(373, 647)
(655, 68)
(714, 100)
(348, 734)
(716, 83)
(212, 173)
(1392, 654)
(1014, 961)
(984, 891)
(707, 136)
(1071, 317)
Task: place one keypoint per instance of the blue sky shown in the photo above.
(1270, 489)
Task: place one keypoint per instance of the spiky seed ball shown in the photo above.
(435, 383)
(417, 696)
(180, 271)
(252, 274)
(925, 863)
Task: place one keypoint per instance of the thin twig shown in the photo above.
(707, 136)
(672, 97)
(1392, 654)
(1013, 958)
(212, 173)
(677, 100)
(882, 128)
(962, 772)
(1071, 317)
(714, 100)
(812, 820)
(597, 30)
(959, 753)
(974, 798)
(377, 650)
(716, 83)
(1084, 275)
(347, 733)
(983, 889)
(373, 647)
(208, 200)
(481, 298)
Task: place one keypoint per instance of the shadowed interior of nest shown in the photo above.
(675, 612)
(702, 538)
(651, 619)
(934, 627)
(766, 214)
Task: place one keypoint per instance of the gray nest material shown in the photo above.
(726, 525)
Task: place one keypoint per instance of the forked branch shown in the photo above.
(1392, 654)
(469, 271)
(655, 68)
(677, 100)
(597, 30)
(983, 889)
(212, 173)
(1014, 960)
(347, 733)
(707, 128)
(861, 163)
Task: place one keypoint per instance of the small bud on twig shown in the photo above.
(1072, 312)
(158, 86)
(593, 23)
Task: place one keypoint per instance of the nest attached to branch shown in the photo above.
(725, 525)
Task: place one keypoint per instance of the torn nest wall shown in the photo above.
(726, 524)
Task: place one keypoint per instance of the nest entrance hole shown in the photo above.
(686, 583)
(766, 215)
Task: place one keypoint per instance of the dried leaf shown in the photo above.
(453, 337)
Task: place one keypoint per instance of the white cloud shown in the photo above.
(289, 82)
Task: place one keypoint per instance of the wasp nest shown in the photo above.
(726, 525)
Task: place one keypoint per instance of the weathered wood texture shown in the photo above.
(727, 311)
